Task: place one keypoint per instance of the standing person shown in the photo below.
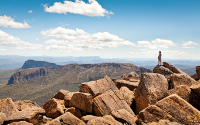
(159, 58)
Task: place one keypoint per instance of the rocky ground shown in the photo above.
(166, 97)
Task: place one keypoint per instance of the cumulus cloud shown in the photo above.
(78, 40)
(188, 44)
(93, 8)
(30, 11)
(156, 44)
(11, 41)
(7, 21)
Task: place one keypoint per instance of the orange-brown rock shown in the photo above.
(67, 99)
(105, 120)
(2, 118)
(61, 94)
(124, 117)
(53, 108)
(67, 119)
(195, 96)
(182, 91)
(180, 109)
(98, 87)
(76, 112)
(198, 71)
(88, 117)
(110, 101)
(162, 70)
(152, 88)
(83, 101)
(153, 114)
(21, 105)
(128, 95)
(131, 85)
(194, 76)
(32, 115)
(173, 68)
(133, 77)
(164, 122)
(20, 123)
(182, 79)
(8, 107)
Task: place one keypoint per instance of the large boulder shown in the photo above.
(128, 95)
(133, 77)
(32, 115)
(173, 68)
(182, 91)
(21, 105)
(20, 123)
(2, 118)
(8, 107)
(182, 79)
(83, 101)
(53, 108)
(105, 120)
(153, 114)
(124, 117)
(88, 117)
(131, 85)
(98, 87)
(180, 109)
(164, 122)
(67, 119)
(162, 70)
(67, 99)
(152, 88)
(195, 96)
(61, 94)
(76, 112)
(198, 71)
(110, 101)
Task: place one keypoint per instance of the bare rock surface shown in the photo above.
(129, 96)
(164, 122)
(98, 87)
(88, 117)
(195, 96)
(182, 91)
(67, 119)
(32, 115)
(172, 68)
(83, 101)
(67, 99)
(53, 108)
(180, 109)
(198, 71)
(8, 107)
(76, 112)
(124, 117)
(2, 118)
(152, 88)
(21, 105)
(162, 70)
(61, 94)
(110, 101)
(131, 85)
(20, 123)
(105, 120)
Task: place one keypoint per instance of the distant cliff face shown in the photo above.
(34, 64)
(74, 73)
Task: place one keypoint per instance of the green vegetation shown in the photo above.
(5, 75)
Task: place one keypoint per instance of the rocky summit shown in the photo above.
(168, 96)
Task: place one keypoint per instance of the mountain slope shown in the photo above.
(39, 84)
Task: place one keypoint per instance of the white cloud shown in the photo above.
(188, 44)
(11, 41)
(7, 21)
(78, 40)
(30, 11)
(156, 44)
(37, 39)
(1, 49)
(93, 8)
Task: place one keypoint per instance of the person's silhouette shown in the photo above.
(159, 58)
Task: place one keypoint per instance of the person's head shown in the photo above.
(159, 51)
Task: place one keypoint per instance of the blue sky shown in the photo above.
(105, 28)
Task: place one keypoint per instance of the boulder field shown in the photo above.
(168, 96)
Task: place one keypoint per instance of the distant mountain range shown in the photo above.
(39, 84)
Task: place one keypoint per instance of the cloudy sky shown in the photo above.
(105, 28)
